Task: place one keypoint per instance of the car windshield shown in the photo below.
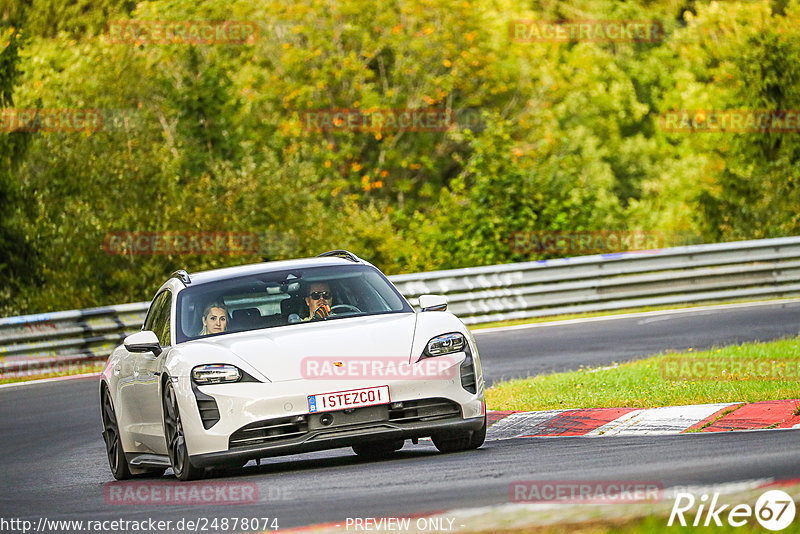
(279, 298)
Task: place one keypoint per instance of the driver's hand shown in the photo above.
(323, 312)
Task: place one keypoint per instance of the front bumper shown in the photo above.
(341, 436)
(244, 405)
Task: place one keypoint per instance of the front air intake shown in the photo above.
(468, 374)
(423, 410)
(207, 405)
(269, 431)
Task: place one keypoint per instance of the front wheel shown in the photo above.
(462, 441)
(176, 439)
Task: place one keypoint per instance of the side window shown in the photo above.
(158, 317)
(151, 313)
(161, 326)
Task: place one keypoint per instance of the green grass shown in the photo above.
(566, 317)
(642, 383)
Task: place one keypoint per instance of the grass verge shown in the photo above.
(749, 372)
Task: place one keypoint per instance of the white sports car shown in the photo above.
(287, 357)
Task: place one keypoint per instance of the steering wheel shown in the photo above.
(339, 308)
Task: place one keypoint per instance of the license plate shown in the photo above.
(353, 398)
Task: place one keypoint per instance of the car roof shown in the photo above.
(204, 277)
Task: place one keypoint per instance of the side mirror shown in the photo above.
(144, 341)
(432, 302)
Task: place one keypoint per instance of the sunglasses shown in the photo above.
(316, 295)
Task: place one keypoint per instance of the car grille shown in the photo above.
(423, 410)
(269, 431)
(359, 421)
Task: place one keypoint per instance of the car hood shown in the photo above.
(278, 353)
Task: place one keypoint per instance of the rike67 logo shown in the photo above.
(774, 510)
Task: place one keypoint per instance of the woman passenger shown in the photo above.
(215, 318)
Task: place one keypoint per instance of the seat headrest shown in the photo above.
(292, 305)
(246, 315)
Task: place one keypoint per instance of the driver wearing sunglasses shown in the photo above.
(318, 299)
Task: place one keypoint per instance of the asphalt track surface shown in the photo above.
(54, 464)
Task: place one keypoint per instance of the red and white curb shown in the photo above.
(717, 417)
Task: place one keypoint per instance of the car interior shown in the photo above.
(257, 303)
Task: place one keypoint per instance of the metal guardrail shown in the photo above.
(765, 268)
(697, 273)
(66, 340)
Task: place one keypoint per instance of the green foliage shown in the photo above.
(76, 18)
(18, 265)
(757, 194)
(211, 138)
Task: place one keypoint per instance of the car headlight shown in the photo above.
(445, 344)
(216, 374)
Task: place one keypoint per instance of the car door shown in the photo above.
(125, 402)
(147, 371)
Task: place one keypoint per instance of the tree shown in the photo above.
(18, 261)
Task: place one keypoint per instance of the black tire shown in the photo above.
(176, 440)
(116, 456)
(378, 449)
(461, 441)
